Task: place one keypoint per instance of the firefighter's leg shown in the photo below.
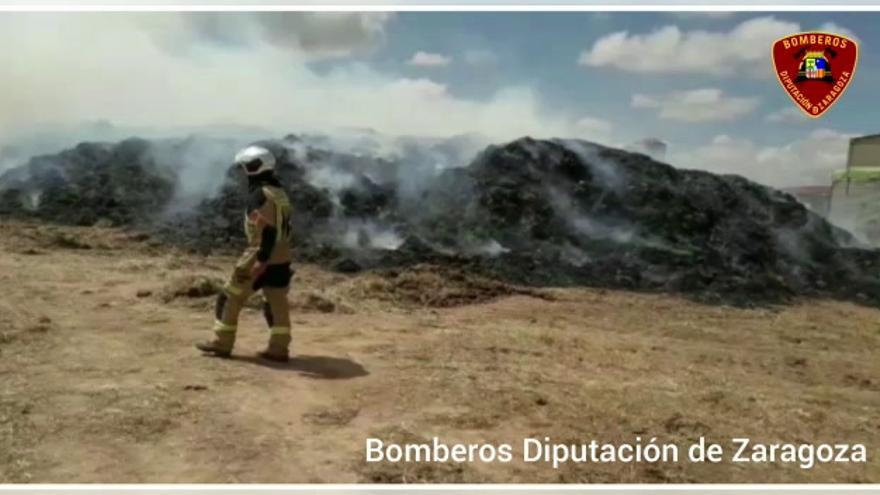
(226, 311)
(277, 313)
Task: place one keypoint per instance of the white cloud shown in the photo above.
(698, 105)
(315, 34)
(744, 50)
(418, 88)
(425, 59)
(830, 27)
(808, 161)
(594, 124)
(594, 129)
(787, 115)
(119, 72)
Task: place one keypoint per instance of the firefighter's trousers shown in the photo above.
(275, 284)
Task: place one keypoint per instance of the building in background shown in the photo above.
(855, 191)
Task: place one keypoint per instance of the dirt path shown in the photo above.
(100, 382)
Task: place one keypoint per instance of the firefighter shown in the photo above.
(265, 264)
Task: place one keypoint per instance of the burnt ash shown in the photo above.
(532, 212)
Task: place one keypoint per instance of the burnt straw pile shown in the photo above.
(532, 212)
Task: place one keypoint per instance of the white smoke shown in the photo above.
(803, 162)
(486, 247)
(596, 229)
(33, 200)
(326, 177)
(200, 164)
(574, 255)
(605, 171)
(162, 70)
(493, 248)
(368, 234)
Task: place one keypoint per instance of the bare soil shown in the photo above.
(99, 381)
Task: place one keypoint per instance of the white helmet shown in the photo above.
(255, 160)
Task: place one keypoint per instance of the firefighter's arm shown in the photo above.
(258, 206)
(268, 236)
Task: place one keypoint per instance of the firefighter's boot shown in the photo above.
(277, 313)
(221, 345)
(278, 348)
(226, 311)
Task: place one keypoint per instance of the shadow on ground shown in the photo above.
(321, 367)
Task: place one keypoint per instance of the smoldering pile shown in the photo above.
(534, 212)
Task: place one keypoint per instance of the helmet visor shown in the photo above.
(253, 166)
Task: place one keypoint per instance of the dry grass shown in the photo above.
(433, 286)
(88, 365)
(191, 287)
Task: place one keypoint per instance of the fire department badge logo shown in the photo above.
(815, 68)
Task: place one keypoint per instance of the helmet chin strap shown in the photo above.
(261, 178)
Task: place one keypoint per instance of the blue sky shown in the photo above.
(542, 51)
(594, 76)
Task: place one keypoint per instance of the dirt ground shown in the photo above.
(99, 381)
